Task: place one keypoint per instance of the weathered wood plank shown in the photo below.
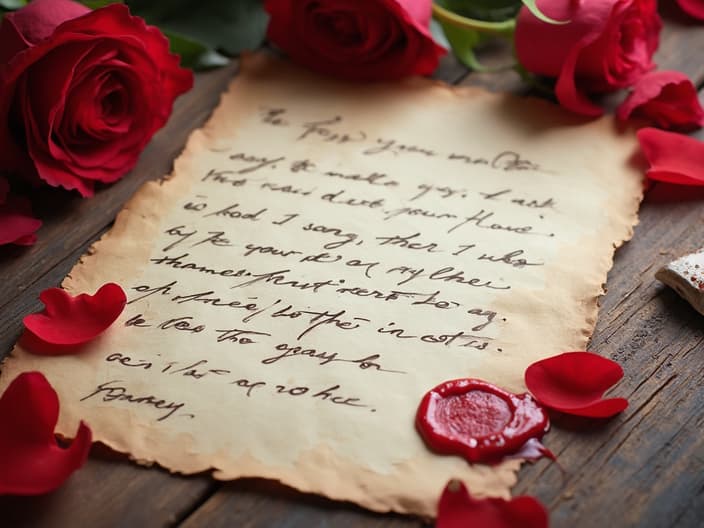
(252, 503)
(109, 493)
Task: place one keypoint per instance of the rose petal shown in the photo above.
(458, 509)
(31, 460)
(673, 158)
(668, 99)
(33, 23)
(575, 382)
(71, 321)
(693, 8)
(566, 90)
(17, 225)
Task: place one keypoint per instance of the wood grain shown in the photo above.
(643, 469)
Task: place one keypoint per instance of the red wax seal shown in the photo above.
(478, 420)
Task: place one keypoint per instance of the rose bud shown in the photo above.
(83, 91)
(352, 39)
(606, 45)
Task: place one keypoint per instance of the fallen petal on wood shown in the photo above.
(69, 321)
(31, 460)
(686, 276)
(574, 383)
(458, 509)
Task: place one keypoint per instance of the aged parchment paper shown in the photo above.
(324, 254)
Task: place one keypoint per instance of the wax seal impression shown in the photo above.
(479, 421)
(686, 276)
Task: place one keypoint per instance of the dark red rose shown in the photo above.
(356, 39)
(668, 99)
(606, 46)
(83, 91)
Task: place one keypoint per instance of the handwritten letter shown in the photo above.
(323, 255)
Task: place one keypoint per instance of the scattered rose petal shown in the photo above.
(673, 158)
(575, 382)
(478, 420)
(668, 99)
(17, 225)
(693, 8)
(32, 462)
(69, 321)
(458, 509)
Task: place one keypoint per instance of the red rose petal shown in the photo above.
(32, 462)
(71, 321)
(458, 509)
(693, 8)
(574, 383)
(17, 225)
(673, 158)
(478, 421)
(668, 99)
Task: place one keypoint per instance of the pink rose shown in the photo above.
(83, 91)
(668, 99)
(356, 39)
(607, 45)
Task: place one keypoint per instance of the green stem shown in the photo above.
(506, 27)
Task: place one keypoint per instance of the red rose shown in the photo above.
(82, 91)
(356, 39)
(668, 99)
(607, 45)
(693, 8)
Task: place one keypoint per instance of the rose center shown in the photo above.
(340, 27)
(475, 414)
(113, 104)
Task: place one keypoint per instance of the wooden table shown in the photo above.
(644, 468)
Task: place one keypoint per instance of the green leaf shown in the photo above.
(11, 5)
(533, 7)
(438, 33)
(195, 55)
(463, 43)
(487, 10)
(450, 18)
(96, 4)
(230, 26)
